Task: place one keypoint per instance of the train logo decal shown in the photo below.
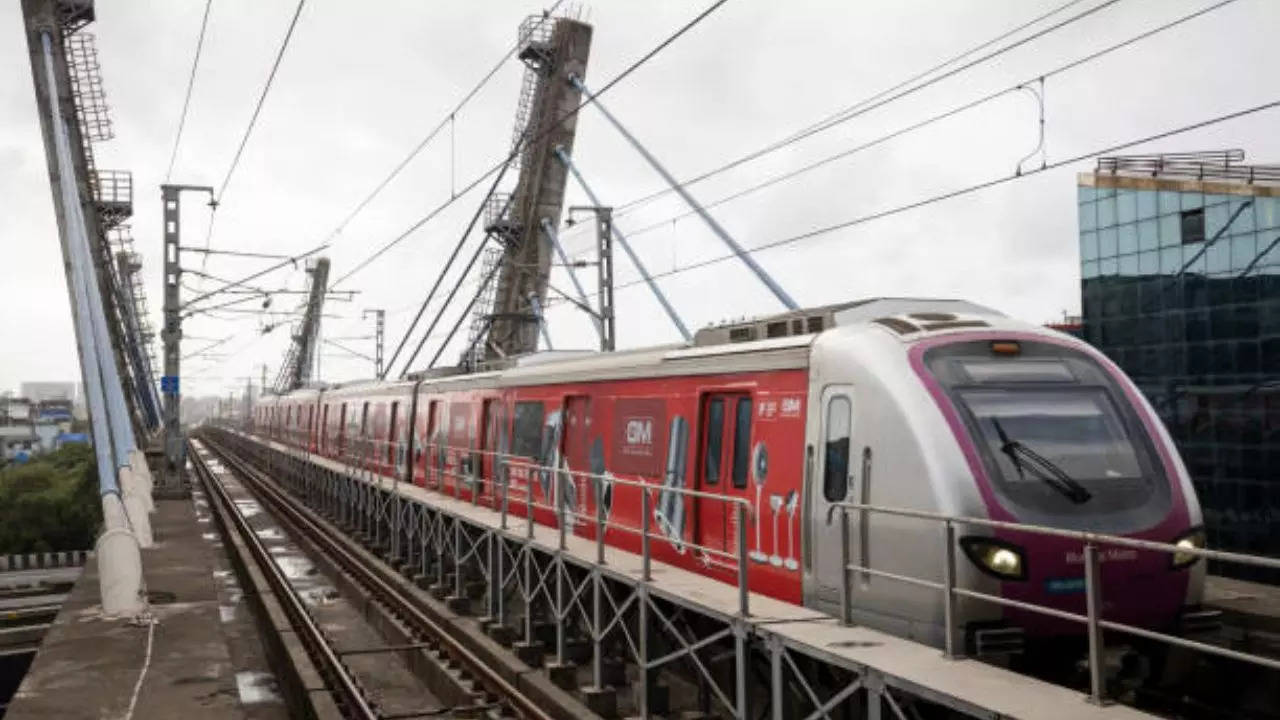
(639, 433)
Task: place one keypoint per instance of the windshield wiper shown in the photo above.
(1041, 466)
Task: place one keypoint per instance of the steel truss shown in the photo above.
(604, 632)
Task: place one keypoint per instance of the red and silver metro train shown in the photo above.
(932, 405)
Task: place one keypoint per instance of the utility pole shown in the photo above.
(379, 326)
(171, 336)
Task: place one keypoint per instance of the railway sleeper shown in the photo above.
(551, 698)
(438, 673)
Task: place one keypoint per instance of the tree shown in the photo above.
(51, 503)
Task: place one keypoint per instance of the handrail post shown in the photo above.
(948, 589)
(1093, 601)
(560, 509)
(846, 598)
(644, 535)
(505, 476)
(528, 504)
(743, 594)
(599, 520)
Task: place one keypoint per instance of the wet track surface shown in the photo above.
(388, 682)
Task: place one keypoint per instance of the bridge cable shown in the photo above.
(879, 99)
(475, 217)
(848, 152)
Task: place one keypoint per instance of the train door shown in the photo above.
(723, 467)
(493, 445)
(342, 432)
(431, 441)
(395, 449)
(832, 481)
(575, 458)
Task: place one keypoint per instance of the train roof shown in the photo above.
(776, 342)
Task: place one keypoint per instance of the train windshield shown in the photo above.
(1077, 430)
(1060, 441)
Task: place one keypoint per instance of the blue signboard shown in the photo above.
(169, 384)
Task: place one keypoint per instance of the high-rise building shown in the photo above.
(1180, 268)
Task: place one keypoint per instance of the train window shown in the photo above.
(528, 429)
(1079, 430)
(714, 441)
(742, 443)
(835, 472)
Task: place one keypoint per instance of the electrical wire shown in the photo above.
(448, 120)
(636, 65)
(884, 97)
(989, 97)
(262, 98)
(191, 81)
(967, 190)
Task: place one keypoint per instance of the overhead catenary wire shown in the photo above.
(966, 190)
(889, 95)
(262, 99)
(253, 122)
(476, 182)
(989, 97)
(449, 120)
(191, 81)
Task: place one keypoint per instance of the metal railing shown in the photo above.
(360, 455)
(387, 459)
(1092, 619)
(1219, 165)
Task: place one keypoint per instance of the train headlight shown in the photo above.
(997, 558)
(1192, 539)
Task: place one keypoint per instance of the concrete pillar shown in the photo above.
(136, 505)
(142, 478)
(119, 563)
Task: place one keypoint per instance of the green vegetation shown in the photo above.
(51, 503)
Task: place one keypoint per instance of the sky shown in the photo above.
(361, 84)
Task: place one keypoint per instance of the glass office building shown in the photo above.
(1180, 268)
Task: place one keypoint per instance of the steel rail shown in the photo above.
(360, 571)
(349, 694)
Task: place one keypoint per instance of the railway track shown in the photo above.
(491, 694)
(348, 696)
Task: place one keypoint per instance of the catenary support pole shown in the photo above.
(171, 337)
(563, 157)
(711, 222)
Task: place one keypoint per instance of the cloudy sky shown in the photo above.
(363, 82)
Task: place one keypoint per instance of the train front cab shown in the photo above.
(958, 424)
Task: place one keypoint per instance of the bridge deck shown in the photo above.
(87, 668)
(917, 668)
